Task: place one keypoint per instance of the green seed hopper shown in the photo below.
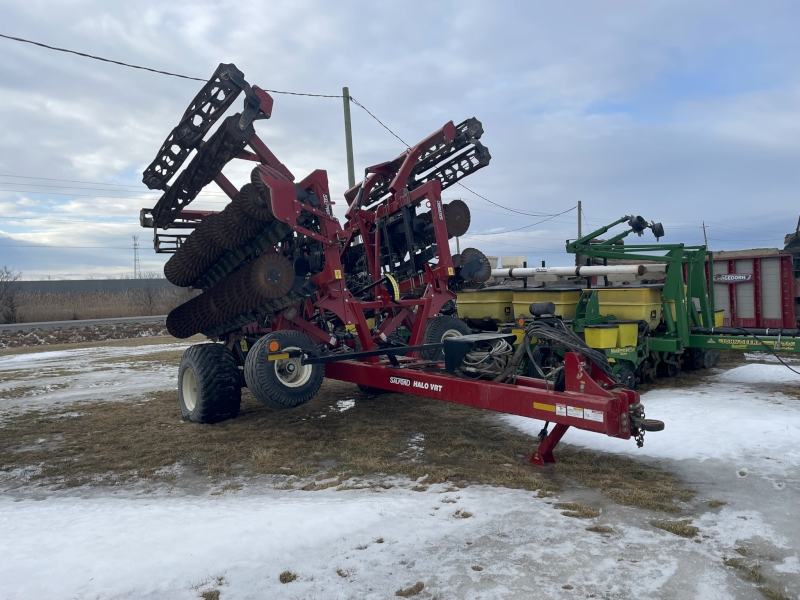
(649, 329)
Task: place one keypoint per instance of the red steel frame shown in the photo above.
(591, 401)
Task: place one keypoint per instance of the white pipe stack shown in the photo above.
(655, 271)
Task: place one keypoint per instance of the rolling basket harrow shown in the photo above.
(290, 295)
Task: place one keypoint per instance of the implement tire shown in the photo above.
(627, 379)
(285, 383)
(209, 389)
(441, 328)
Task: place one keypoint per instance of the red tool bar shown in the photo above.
(594, 409)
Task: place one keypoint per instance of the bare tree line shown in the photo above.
(26, 307)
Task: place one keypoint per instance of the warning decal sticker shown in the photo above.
(561, 410)
(574, 411)
(593, 415)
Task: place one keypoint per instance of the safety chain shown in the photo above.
(639, 413)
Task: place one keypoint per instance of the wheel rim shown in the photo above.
(291, 372)
(189, 389)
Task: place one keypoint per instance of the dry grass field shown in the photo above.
(37, 307)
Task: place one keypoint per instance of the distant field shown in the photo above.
(35, 307)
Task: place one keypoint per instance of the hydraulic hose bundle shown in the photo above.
(558, 335)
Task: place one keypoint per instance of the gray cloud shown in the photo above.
(671, 146)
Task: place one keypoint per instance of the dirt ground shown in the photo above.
(81, 333)
(325, 443)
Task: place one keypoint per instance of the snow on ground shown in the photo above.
(729, 437)
(176, 547)
(733, 416)
(42, 379)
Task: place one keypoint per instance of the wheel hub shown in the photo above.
(292, 372)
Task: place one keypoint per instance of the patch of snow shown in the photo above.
(344, 405)
(769, 358)
(760, 373)
(415, 448)
(84, 374)
(790, 564)
(158, 546)
(728, 417)
(730, 527)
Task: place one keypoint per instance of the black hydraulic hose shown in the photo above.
(555, 330)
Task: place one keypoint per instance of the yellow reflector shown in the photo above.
(541, 406)
(274, 346)
(280, 356)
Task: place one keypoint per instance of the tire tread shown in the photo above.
(217, 374)
(258, 378)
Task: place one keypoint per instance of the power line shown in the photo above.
(357, 103)
(71, 220)
(72, 187)
(108, 60)
(41, 246)
(134, 197)
(132, 66)
(68, 180)
(124, 64)
(521, 212)
(526, 226)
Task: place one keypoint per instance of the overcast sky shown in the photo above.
(682, 112)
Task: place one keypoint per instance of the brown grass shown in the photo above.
(750, 573)
(287, 577)
(772, 594)
(412, 591)
(682, 528)
(210, 595)
(477, 568)
(624, 480)
(786, 389)
(113, 442)
(600, 529)
(716, 503)
(577, 510)
(34, 307)
(74, 336)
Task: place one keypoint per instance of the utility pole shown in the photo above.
(348, 137)
(137, 271)
(580, 224)
(705, 238)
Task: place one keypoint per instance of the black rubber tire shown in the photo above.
(651, 425)
(627, 379)
(262, 376)
(218, 394)
(436, 329)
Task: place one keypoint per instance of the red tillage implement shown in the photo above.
(290, 295)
